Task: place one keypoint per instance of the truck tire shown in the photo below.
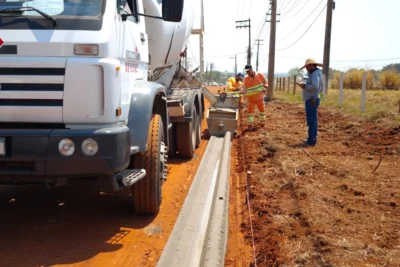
(146, 194)
(186, 137)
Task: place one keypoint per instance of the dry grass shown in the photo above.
(380, 104)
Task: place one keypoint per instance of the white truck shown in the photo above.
(95, 88)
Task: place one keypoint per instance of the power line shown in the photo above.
(248, 11)
(345, 60)
(265, 21)
(283, 7)
(300, 9)
(304, 32)
(293, 6)
(262, 22)
(243, 9)
(283, 2)
(301, 23)
(191, 51)
(237, 10)
(383, 59)
(228, 55)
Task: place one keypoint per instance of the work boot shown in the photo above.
(307, 144)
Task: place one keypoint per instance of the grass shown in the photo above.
(379, 104)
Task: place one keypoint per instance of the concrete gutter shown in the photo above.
(200, 233)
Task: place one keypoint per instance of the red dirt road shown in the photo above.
(80, 225)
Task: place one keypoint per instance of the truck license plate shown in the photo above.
(2, 146)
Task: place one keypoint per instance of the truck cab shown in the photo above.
(76, 99)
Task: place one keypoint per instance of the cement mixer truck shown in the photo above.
(96, 88)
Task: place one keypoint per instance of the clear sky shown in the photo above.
(364, 33)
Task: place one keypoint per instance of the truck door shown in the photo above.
(134, 54)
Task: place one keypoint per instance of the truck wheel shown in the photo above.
(146, 194)
(198, 130)
(186, 137)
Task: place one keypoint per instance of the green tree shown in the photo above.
(296, 72)
(395, 67)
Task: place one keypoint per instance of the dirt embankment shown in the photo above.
(304, 214)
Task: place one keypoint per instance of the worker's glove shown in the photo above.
(266, 99)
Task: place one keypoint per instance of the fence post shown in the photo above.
(277, 83)
(280, 82)
(288, 84)
(341, 89)
(399, 107)
(284, 84)
(363, 91)
(294, 84)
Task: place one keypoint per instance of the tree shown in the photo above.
(296, 72)
(395, 67)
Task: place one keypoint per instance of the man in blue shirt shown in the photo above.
(311, 90)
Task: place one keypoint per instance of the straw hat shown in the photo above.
(311, 61)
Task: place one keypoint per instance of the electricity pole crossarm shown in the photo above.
(246, 24)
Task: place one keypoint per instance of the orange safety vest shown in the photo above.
(255, 86)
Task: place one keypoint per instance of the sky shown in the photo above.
(364, 33)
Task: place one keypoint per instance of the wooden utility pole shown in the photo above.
(235, 57)
(246, 24)
(327, 46)
(211, 69)
(258, 50)
(271, 62)
(200, 32)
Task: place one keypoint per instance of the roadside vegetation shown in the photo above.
(382, 98)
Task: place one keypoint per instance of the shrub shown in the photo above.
(389, 79)
(353, 79)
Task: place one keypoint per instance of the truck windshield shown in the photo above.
(70, 14)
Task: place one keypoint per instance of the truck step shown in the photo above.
(129, 177)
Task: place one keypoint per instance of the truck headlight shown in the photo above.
(90, 147)
(66, 147)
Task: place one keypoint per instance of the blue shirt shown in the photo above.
(313, 85)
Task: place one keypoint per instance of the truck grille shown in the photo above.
(25, 166)
(31, 94)
(21, 125)
(31, 87)
(32, 71)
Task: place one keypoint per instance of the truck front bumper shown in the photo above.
(33, 155)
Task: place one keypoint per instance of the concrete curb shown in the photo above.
(200, 233)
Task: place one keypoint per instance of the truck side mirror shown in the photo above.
(172, 10)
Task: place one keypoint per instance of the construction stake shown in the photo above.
(379, 163)
(312, 157)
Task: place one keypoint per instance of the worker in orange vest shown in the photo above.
(234, 84)
(254, 88)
